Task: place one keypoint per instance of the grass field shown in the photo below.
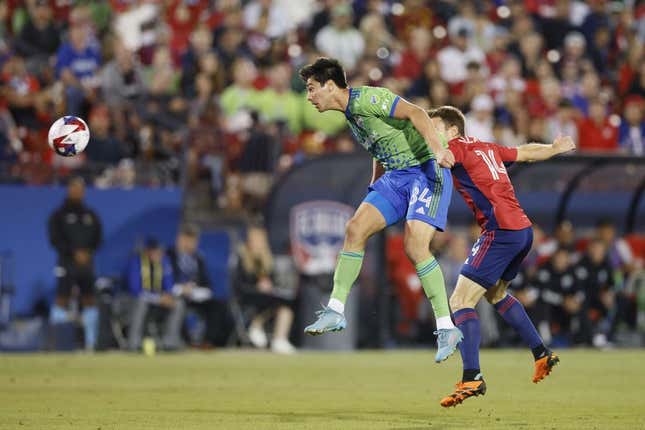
(367, 390)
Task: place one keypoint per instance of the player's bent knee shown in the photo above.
(496, 293)
(458, 302)
(416, 250)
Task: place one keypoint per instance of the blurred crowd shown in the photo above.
(579, 288)
(211, 85)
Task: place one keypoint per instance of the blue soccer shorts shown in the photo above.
(421, 193)
(497, 254)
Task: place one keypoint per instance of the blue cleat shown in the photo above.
(447, 341)
(328, 320)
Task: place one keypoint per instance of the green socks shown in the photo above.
(434, 285)
(347, 270)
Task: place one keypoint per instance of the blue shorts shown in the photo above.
(421, 192)
(496, 255)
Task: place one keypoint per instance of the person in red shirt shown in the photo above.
(596, 132)
(480, 176)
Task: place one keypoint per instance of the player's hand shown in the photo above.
(563, 144)
(82, 257)
(265, 285)
(446, 158)
(167, 301)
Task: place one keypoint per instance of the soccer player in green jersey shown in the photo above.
(411, 179)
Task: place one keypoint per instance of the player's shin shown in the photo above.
(468, 322)
(514, 314)
(347, 271)
(434, 286)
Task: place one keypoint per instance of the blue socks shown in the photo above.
(513, 313)
(90, 326)
(468, 322)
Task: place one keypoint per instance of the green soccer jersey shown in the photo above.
(395, 143)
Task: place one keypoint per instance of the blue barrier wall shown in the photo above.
(127, 216)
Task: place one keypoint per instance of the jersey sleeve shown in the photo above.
(378, 102)
(506, 154)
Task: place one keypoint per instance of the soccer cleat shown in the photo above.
(447, 341)
(544, 365)
(463, 390)
(328, 320)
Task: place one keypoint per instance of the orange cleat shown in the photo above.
(463, 390)
(544, 365)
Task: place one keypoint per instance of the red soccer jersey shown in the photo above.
(480, 177)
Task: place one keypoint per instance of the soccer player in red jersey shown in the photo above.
(479, 175)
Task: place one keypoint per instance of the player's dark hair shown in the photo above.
(451, 116)
(323, 70)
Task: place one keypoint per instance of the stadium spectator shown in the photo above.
(563, 299)
(376, 31)
(161, 78)
(182, 17)
(40, 36)
(254, 282)
(22, 91)
(75, 232)
(241, 94)
(135, 24)
(122, 78)
(620, 254)
(278, 101)
(638, 83)
(10, 143)
(454, 57)
(563, 237)
(149, 280)
(193, 285)
(563, 123)
(267, 17)
(632, 126)
(340, 40)
(416, 55)
(597, 279)
(77, 65)
(597, 132)
(258, 161)
(479, 121)
(104, 147)
(201, 43)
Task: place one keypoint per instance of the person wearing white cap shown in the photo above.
(479, 121)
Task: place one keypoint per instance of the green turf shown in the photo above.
(368, 390)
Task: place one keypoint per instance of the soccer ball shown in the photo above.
(68, 136)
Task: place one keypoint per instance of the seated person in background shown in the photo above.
(562, 297)
(150, 279)
(254, 282)
(193, 285)
(597, 280)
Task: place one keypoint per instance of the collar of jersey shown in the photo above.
(348, 113)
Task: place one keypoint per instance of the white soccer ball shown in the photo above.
(68, 136)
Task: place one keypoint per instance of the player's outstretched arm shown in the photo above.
(421, 121)
(540, 152)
